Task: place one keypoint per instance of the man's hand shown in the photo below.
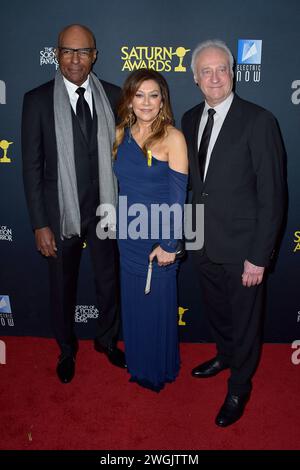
(45, 242)
(252, 275)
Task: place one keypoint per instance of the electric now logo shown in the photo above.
(5, 304)
(248, 67)
(249, 51)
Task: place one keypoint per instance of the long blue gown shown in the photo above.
(149, 321)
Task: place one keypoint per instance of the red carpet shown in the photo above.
(100, 409)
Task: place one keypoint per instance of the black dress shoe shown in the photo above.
(232, 409)
(65, 368)
(115, 356)
(209, 368)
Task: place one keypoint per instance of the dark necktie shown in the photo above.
(202, 154)
(83, 113)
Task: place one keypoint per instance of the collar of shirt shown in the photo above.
(71, 89)
(221, 109)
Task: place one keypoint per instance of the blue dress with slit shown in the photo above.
(149, 321)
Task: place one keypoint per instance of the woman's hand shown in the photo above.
(163, 257)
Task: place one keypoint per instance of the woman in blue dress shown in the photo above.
(151, 167)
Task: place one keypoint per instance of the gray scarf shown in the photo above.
(67, 184)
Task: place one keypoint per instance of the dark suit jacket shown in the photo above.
(243, 192)
(39, 153)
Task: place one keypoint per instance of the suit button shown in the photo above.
(204, 194)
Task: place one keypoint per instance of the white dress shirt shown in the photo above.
(219, 117)
(71, 89)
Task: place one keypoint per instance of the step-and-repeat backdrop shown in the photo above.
(264, 38)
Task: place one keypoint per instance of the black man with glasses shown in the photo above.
(68, 129)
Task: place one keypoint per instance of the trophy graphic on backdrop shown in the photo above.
(181, 312)
(4, 144)
(180, 52)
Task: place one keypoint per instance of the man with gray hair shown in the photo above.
(236, 170)
(68, 129)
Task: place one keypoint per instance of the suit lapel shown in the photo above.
(195, 130)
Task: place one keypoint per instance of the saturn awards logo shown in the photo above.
(297, 241)
(159, 58)
(181, 312)
(4, 145)
(248, 68)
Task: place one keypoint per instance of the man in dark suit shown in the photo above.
(68, 130)
(236, 171)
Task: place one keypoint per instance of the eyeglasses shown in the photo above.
(83, 53)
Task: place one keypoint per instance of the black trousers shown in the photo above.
(64, 272)
(235, 317)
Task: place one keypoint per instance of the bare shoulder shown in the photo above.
(177, 150)
(175, 136)
(175, 140)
